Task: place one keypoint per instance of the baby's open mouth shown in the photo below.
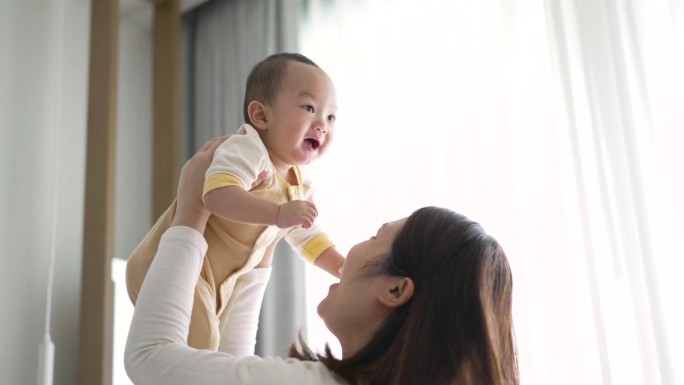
(313, 143)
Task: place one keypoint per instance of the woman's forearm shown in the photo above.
(156, 350)
(161, 317)
(240, 319)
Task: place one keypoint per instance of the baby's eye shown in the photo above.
(309, 108)
(331, 118)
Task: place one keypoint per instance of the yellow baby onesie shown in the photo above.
(234, 248)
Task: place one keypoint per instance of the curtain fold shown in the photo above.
(609, 55)
(223, 40)
(552, 122)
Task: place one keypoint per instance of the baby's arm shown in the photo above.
(315, 247)
(238, 205)
(331, 261)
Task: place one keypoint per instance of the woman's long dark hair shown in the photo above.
(457, 328)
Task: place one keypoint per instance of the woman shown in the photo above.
(426, 300)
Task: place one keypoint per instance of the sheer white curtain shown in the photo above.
(554, 123)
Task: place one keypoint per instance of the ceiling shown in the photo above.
(140, 11)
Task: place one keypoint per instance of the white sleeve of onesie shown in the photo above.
(239, 160)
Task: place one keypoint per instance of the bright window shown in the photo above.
(461, 104)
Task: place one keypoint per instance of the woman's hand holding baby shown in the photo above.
(191, 211)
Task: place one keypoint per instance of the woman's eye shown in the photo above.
(331, 118)
(309, 108)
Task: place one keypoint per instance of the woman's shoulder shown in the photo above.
(276, 370)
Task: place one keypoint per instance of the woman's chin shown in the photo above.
(324, 307)
(319, 308)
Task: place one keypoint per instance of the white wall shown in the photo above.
(28, 79)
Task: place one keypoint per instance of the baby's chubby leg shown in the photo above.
(140, 260)
(204, 324)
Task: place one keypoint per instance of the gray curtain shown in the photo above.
(222, 40)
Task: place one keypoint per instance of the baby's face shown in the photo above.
(302, 117)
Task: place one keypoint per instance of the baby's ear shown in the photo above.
(258, 115)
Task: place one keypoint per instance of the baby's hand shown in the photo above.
(295, 213)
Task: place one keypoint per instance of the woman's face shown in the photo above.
(351, 310)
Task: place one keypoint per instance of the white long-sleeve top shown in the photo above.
(156, 350)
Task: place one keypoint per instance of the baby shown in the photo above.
(257, 194)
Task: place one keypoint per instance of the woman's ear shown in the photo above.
(258, 115)
(397, 291)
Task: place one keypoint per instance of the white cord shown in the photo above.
(47, 348)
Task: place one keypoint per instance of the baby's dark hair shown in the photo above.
(264, 80)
